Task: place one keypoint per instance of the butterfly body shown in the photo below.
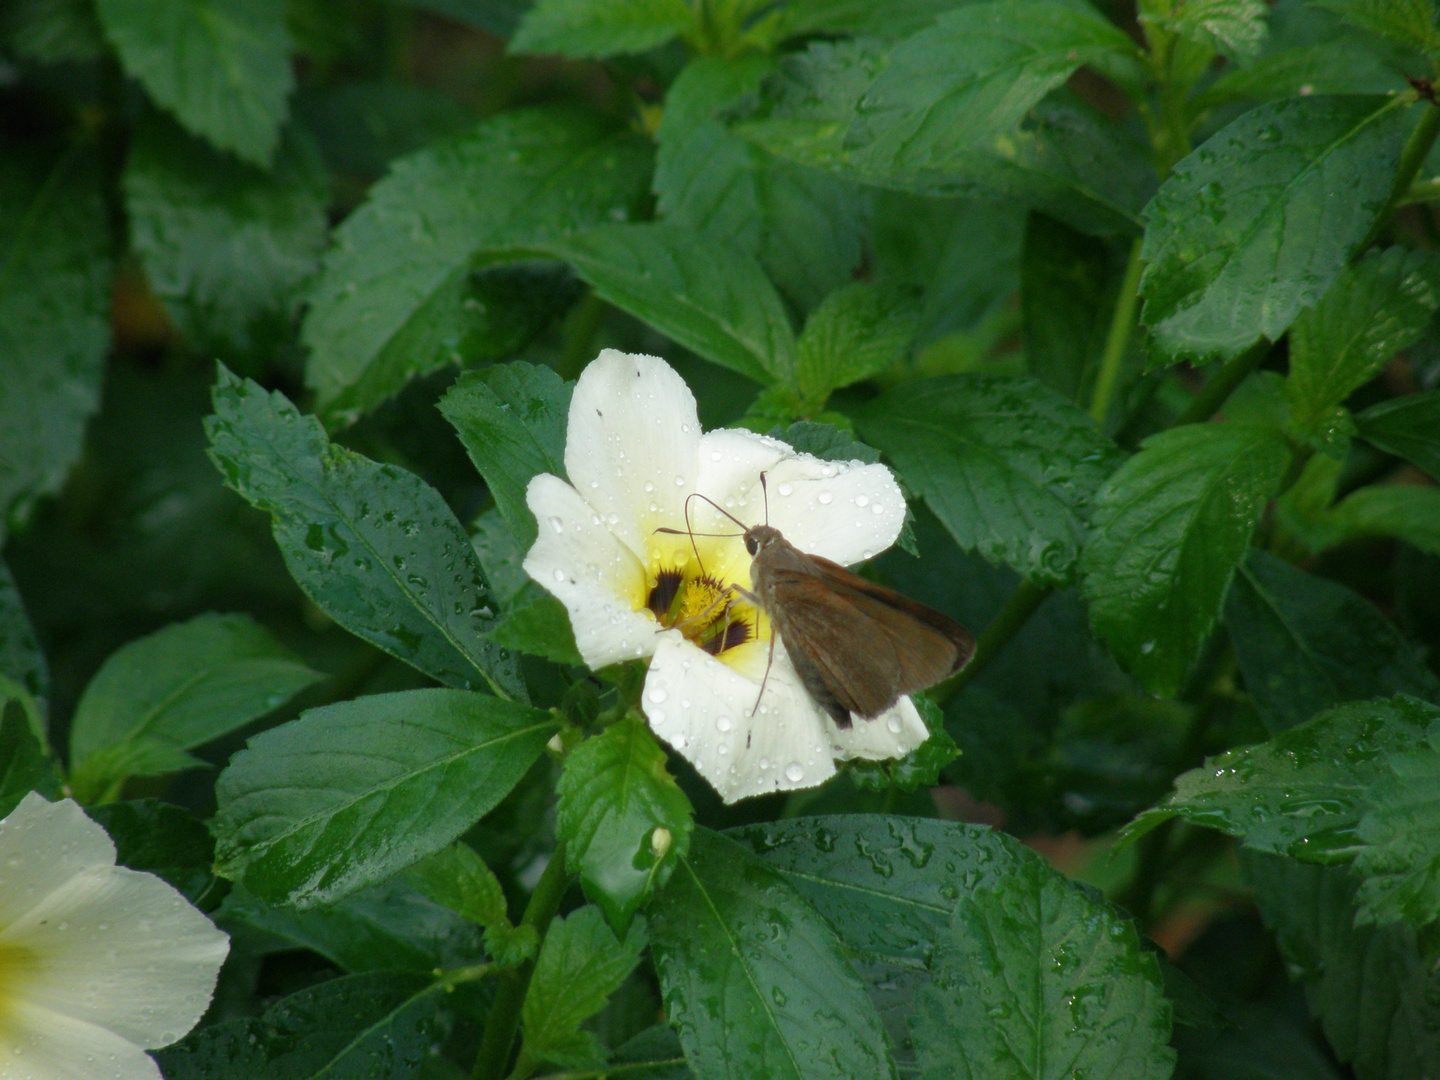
(857, 646)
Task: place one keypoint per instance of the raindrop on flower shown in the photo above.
(894, 725)
(784, 489)
(557, 524)
(877, 509)
(657, 694)
(825, 498)
(794, 772)
(862, 500)
(723, 724)
(559, 575)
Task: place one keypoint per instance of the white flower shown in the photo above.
(97, 962)
(635, 454)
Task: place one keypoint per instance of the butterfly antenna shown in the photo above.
(765, 492)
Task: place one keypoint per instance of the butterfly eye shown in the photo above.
(751, 544)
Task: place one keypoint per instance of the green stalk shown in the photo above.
(504, 1016)
(1222, 384)
(1411, 158)
(1118, 336)
(997, 633)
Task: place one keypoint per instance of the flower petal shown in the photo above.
(42, 846)
(893, 734)
(586, 567)
(845, 511)
(121, 949)
(703, 708)
(632, 444)
(36, 1044)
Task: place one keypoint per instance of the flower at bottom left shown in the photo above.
(97, 962)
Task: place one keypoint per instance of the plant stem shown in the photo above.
(1416, 147)
(504, 1016)
(1118, 337)
(1422, 191)
(998, 631)
(579, 334)
(1222, 384)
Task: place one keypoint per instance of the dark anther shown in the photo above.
(663, 593)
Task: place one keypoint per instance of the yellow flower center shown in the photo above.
(691, 588)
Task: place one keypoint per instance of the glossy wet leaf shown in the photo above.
(581, 963)
(754, 979)
(222, 67)
(806, 228)
(373, 545)
(387, 927)
(511, 418)
(1408, 512)
(702, 291)
(163, 695)
(887, 884)
(1410, 23)
(1374, 309)
(55, 269)
(1303, 792)
(856, 332)
(1399, 864)
(351, 793)
(1246, 232)
(1166, 531)
(539, 625)
(1329, 67)
(403, 262)
(614, 794)
(225, 246)
(1234, 28)
(1305, 644)
(1063, 158)
(587, 29)
(1407, 426)
(359, 1027)
(456, 877)
(970, 77)
(1064, 287)
(1371, 987)
(1034, 978)
(1006, 464)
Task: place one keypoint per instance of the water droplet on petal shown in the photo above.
(877, 509)
(794, 772)
(785, 489)
(657, 694)
(825, 498)
(723, 724)
(894, 725)
(557, 524)
(862, 500)
(559, 575)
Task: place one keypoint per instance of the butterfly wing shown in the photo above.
(858, 646)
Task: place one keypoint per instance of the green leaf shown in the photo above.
(856, 332)
(21, 658)
(373, 1025)
(457, 878)
(1304, 791)
(166, 841)
(1371, 987)
(593, 29)
(1305, 644)
(52, 31)
(26, 762)
(1167, 529)
(222, 67)
(1331, 67)
(1399, 863)
(1007, 465)
(389, 927)
(754, 980)
(580, 965)
(1405, 511)
(351, 793)
(174, 690)
(1374, 309)
(55, 271)
(1246, 232)
(1065, 297)
(538, 624)
(511, 418)
(1410, 23)
(1033, 978)
(805, 227)
(1408, 427)
(886, 884)
(972, 76)
(701, 291)
(1065, 158)
(1234, 28)
(373, 545)
(919, 768)
(225, 246)
(402, 264)
(614, 795)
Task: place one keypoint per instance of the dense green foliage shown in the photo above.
(1140, 306)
